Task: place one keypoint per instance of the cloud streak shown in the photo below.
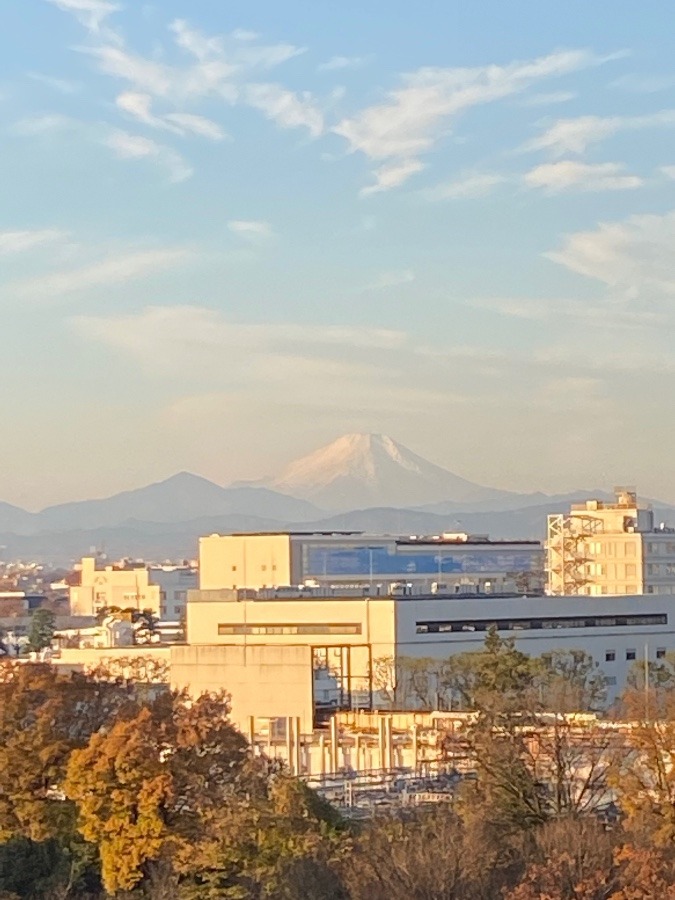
(576, 135)
(413, 117)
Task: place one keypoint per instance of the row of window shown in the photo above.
(544, 622)
(611, 548)
(610, 655)
(262, 568)
(311, 628)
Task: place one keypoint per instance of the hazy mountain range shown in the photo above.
(361, 482)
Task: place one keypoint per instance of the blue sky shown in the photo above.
(230, 232)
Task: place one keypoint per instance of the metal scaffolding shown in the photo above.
(567, 552)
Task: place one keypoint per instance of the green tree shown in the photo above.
(42, 626)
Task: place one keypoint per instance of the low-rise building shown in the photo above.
(345, 652)
(450, 562)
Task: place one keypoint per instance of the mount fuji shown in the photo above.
(369, 470)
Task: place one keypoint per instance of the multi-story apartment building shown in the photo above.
(609, 548)
(455, 563)
(124, 584)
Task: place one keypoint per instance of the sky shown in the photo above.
(231, 232)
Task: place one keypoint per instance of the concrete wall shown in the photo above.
(240, 561)
(263, 682)
(76, 660)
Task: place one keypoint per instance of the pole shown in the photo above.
(646, 682)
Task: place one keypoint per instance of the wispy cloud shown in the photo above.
(572, 175)
(634, 257)
(337, 63)
(644, 84)
(112, 270)
(135, 147)
(139, 106)
(61, 85)
(576, 135)
(286, 108)
(549, 99)
(391, 279)
(198, 329)
(469, 186)
(251, 230)
(392, 175)
(14, 242)
(413, 117)
(90, 13)
(37, 125)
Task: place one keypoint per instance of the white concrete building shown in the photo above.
(255, 642)
(601, 548)
(174, 582)
(455, 563)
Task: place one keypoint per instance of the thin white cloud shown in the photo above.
(61, 85)
(286, 108)
(392, 175)
(106, 272)
(40, 125)
(634, 257)
(139, 106)
(572, 175)
(14, 242)
(391, 279)
(337, 63)
(470, 186)
(89, 13)
(576, 135)
(187, 122)
(135, 147)
(668, 171)
(199, 329)
(644, 84)
(251, 230)
(413, 117)
(549, 99)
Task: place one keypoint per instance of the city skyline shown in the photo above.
(229, 236)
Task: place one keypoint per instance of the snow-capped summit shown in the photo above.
(365, 470)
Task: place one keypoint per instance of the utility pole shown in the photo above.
(646, 682)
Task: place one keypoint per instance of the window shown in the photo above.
(630, 654)
(611, 681)
(309, 628)
(177, 609)
(630, 570)
(660, 652)
(610, 656)
(457, 625)
(234, 568)
(630, 549)
(263, 568)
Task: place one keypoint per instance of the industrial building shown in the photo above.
(601, 548)
(447, 563)
(296, 657)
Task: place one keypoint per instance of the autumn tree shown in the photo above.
(145, 788)
(43, 717)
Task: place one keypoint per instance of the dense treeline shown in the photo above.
(108, 792)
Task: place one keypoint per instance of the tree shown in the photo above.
(573, 682)
(644, 775)
(146, 788)
(43, 717)
(42, 628)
